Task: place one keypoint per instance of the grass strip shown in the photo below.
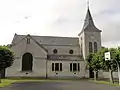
(104, 82)
(8, 82)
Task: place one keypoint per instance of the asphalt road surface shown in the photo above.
(61, 85)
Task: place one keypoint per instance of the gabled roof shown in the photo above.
(50, 40)
(38, 43)
(13, 44)
(88, 22)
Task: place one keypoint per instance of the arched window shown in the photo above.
(95, 47)
(90, 47)
(27, 62)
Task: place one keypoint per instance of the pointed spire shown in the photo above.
(88, 3)
(88, 19)
(88, 22)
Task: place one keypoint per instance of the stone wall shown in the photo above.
(103, 74)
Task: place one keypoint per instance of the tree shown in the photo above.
(89, 64)
(96, 65)
(111, 65)
(118, 62)
(96, 61)
(6, 58)
(118, 56)
(89, 60)
(93, 63)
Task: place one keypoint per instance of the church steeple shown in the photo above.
(90, 36)
(88, 19)
(88, 22)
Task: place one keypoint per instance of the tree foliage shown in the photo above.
(6, 57)
(97, 61)
(89, 60)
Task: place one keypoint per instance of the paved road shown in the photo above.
(61, 85)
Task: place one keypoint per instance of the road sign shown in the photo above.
(107, 56)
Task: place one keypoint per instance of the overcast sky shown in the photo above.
(58, 18)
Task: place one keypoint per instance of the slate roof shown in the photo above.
(49, 40)
(88, 23)
(15, 43)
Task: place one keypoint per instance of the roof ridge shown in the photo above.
(33, 40)
(51, 36)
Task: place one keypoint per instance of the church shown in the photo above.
(52, 56)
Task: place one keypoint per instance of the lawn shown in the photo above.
(104, 82)
(8, 82)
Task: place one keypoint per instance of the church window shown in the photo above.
(71, 67)
(28, 40)
(74, 67)
(60, 66)
(55, 51)
(52, 66)
(95, 47)
(71, 51)
(90, 47)
(56, 66)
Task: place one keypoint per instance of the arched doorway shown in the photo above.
(27, 62)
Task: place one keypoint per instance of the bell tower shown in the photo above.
(89, 37)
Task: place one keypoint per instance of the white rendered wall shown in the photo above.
(39, 59)
(66, 69)
(40, 56)
(103, 74)
(96, 38)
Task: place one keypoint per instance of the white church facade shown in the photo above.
(50, 56)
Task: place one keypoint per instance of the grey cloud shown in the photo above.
(106, 15)
(111, 33)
